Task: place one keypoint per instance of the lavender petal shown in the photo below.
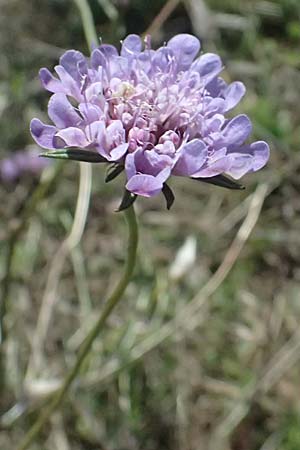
(192, 157)
(42, 134)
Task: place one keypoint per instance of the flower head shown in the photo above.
(155, 112)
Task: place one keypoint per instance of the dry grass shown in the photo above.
(203, 352)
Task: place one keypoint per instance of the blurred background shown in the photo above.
(204, 350)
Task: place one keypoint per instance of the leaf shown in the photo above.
(127, 200)
(168, 194)
(222, 181)
(113, 171)
(75, 155)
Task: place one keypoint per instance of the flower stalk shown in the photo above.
(116, 295)
(87, 22)
(112, 301)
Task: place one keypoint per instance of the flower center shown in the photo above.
(124, 90)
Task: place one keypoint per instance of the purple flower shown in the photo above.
(20, 162)
(155, 112)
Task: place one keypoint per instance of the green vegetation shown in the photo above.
(227, 377)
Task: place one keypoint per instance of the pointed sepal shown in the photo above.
(127, 200)
(168, 194)
(222, 181)
(75, 155)
(113, 171)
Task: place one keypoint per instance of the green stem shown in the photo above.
(95, 331)
(87, 22)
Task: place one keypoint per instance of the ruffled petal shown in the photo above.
(233, 94)
(185, 48)
(215, 106)
(257, 152)
(109, 141)
(130, 165)
(237, 130)
(94, 93)
(109, 51)
(192, 157)
(216, 87)
(98, 59)
(208, 66)
(62, 113)
(118, 152)
(115, 133)
(43, 134)
(131, 46)
(51, 83)
(74, 64)
(90, 113)
(240, 165)
(95, 132)
(144, 185)
(261, 154)
(162, 60)
(73, 137)
(71, 86)
(214, 168)
(148, 163)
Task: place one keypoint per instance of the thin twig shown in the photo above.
(50, 295)
(161, 17)
(280, 363)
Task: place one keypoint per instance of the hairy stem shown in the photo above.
(112, 301)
